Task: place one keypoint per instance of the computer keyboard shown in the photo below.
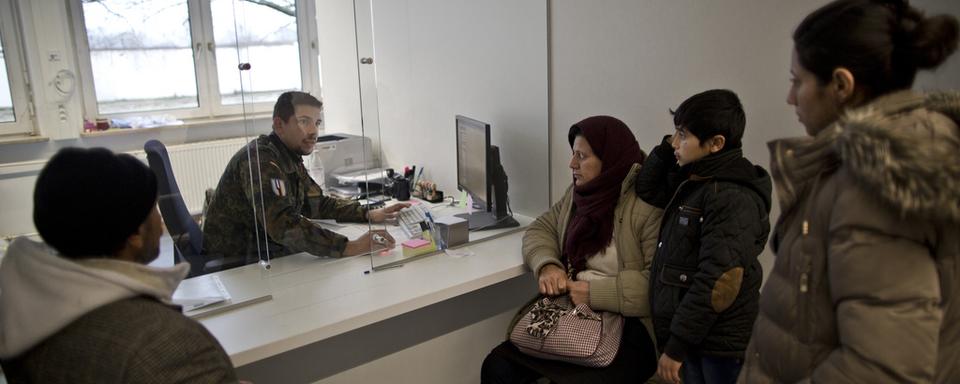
(409, 220)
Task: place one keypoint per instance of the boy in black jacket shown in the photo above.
(705, 278)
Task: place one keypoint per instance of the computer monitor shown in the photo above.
(481, 175)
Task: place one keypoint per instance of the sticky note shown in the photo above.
(415, 243)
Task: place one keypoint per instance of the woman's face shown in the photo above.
(584, 163)
(816, 106)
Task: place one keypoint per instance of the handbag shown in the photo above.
(555, 329)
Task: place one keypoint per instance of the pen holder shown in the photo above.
(435, 197)
(402, 189)
(427, 190)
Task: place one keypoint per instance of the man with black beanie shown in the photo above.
(82, 306)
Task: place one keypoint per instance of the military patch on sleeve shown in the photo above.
(279, 187)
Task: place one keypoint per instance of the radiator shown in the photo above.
(198, 166)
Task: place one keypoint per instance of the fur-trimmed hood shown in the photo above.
(905, 146)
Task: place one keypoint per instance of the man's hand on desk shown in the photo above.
(386, 213)
(373, 241)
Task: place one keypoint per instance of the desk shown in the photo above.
(318, 300)
(395, 257)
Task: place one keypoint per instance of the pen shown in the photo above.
(416, 178)
(435, 232)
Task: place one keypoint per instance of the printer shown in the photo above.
(338, 159)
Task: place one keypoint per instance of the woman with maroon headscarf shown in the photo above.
(596, 245)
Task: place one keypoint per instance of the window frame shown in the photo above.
(205, 65)
(24, 110)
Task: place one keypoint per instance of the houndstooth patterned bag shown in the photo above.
(555, 329)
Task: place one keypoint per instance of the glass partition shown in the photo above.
(376, 180)
(201, 78)
(262, 68)
(156, 46)
(270, 41)
(237, 46)
(249, 49)
(156, 70)
(418, 67)
(300, 204)
(454, 99)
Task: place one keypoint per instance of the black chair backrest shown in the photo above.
(186, 234)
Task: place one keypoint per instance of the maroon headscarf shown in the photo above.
(590, 230)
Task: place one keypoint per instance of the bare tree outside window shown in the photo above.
(264, 34)
(143, 57)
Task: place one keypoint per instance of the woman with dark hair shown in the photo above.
(865, 284)
(596, 245)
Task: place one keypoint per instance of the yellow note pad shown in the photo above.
(431, 246)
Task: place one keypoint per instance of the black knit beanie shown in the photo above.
(87, 202)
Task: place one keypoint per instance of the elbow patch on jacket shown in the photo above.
(726, 289)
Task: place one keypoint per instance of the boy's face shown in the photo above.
(687, 148)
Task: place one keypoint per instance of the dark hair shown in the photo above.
(288, 100)
(882, 42)
(711, 113)
(87, 202)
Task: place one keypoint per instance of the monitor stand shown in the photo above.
(478, 221)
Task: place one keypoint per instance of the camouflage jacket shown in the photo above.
(282, 200)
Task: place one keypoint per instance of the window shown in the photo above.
(181, 57)
(271, 43)
(15, 111)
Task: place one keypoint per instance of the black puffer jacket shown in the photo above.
(705, 277)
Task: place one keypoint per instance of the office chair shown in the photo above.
(186, 234)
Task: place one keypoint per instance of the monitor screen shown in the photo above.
(473, 143)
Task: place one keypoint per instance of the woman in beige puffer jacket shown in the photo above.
(594, 245)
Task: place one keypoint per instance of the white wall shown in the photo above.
(636, 59)
(948, 75)
(338, 66)
(486, 60)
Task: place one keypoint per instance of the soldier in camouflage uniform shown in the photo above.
(274, 215)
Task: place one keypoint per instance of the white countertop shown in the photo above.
(318, 298)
